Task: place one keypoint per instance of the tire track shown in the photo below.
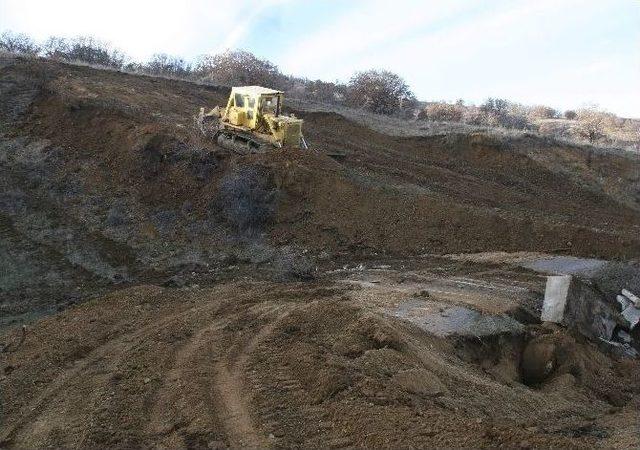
(211, 389)
(117, 346)
(240, 429)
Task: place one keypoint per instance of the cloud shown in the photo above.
(244, 16)
(360, 30)
(561, 53)
(140, 27)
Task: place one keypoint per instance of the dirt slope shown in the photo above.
(178, 272)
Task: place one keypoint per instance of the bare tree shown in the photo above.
(163, 64)
(317, 90)
(237, 68)
(442, 112)
(85, 49)
(501, 112)
(592, 123)
(18, 43)
(542, 112)
(379, 91)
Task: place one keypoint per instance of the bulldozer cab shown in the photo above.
(248, 105)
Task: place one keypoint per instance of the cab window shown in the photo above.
(239, 101)
(269, 104)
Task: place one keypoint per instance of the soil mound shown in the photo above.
(290, 365)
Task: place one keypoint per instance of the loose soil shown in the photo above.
(178, 296)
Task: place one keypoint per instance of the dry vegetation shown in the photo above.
(376, 91)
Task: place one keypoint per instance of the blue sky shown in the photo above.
(563, 53)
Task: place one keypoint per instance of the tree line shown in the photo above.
(378, 91)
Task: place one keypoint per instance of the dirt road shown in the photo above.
(258, 364)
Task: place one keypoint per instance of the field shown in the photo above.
(177, 295)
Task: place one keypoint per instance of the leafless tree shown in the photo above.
(18, 43)
(317, 90)
(238, 68)
(379, 91)
(442, 112)
(501, 112)
(85, 49)
(592, 123)
(163, 64)
(542, 112)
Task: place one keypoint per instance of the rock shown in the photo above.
(623, 301)
(618, 348)
(632, 297)
(574, 304)
(632, 315)
(623, 337)
(538, 360)
(420, 382)
(146, 380)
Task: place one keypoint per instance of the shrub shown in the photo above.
(318, 90)
(247, 199)
(239, 68)
(379, 91)
(442, 112)
(292, 266)
(592, 123)
(85, 49)
(542, 112)
(570, 114)
(500, 112)
(18, 43)
(166, 65)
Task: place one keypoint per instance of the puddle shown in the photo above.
(445, 320)
(565, 265)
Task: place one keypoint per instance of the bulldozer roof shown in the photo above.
(256, 90)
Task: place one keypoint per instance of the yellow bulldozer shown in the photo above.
(252, 122)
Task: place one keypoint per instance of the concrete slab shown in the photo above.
(444, 320)
(565, 265)
(623, 301)
(576, 305)
(555, 298)
(633, 298)
(632, 316)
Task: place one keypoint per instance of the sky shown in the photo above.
(561, 53)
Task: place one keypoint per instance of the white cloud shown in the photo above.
(361, 30)
(139, 27)
(546, 51)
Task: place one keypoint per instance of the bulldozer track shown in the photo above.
(117, 346)
(201, 377)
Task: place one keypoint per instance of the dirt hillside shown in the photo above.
(186, 297)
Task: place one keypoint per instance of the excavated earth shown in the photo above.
(159, 291)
